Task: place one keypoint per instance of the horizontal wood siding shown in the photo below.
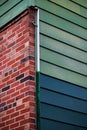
(63, 105)
(63, 40)
(11, 8)
(63, 49)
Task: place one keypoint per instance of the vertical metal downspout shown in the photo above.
(37, 55)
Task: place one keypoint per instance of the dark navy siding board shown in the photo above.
(62, 105)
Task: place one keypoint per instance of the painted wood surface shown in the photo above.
(63, 40)
(63, 105)
(9, 9)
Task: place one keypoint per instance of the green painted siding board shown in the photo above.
(16, 10)
(63, 24)
(58, 72)
(81, 2)
(2, 2)
(64, 13)
(63, 36)
(63, 48)
(63, 61)
(72, 6)
(8, 5)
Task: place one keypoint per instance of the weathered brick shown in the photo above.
(17, 65)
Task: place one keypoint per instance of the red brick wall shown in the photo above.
(17, 74)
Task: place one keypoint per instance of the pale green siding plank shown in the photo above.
(81, 2)
(8, 5)
(63, 36)
(64, 13)
(63, 74)
(63, 61)
(63, 48)
(72, 6)
(63, 24)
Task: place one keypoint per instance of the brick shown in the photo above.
(24, 89)
(15, 74)
(11, 91)
(24, 110)
(6, 79)
(2, 104)
(5, 128)
(10, 101)
(24, 69)
(10, 111)
(10, 81)
(5, 118)
(15, 84)
(20, 96)
(20, 48)
(20, 57)
(20, 128)
(19, 76)
(14, 125)
(26, 78)
(24, 122)
(10, 62)
(5, 88)
(5, 98)
(17, 64)
(14, 114)
(2, 124)
(26, 99)
(19, 118)
(20, 107)
(15, 94)
(10, 122)
(20, 87)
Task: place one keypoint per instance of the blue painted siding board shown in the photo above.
(53, 125)
(62, 105)
(65, 101)
(63, 115)
(57, 85)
